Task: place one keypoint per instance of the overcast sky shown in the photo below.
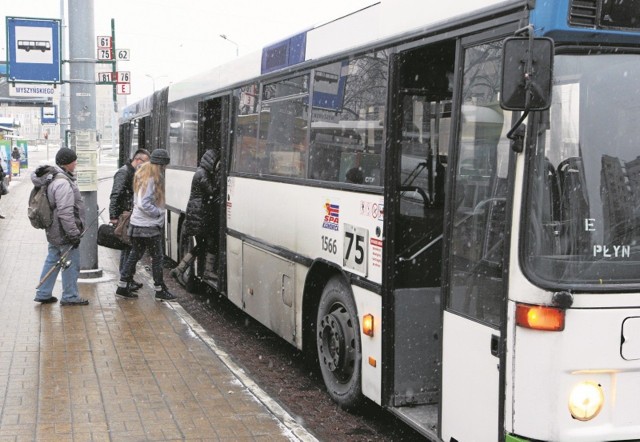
(173, 39)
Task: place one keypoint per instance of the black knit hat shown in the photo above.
(160, 156)
(65, 156)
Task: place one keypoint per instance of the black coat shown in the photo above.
(204, 200)
(122, 191)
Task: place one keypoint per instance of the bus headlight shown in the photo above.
(586, 400)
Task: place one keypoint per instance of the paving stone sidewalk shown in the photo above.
(115, 370)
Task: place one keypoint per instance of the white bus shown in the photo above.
(474, 270)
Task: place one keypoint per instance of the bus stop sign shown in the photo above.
(33, 50)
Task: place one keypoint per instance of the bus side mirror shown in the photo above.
(527, 67)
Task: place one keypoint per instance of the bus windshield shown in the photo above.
(582, 217)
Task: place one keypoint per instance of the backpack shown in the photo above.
(39, 211)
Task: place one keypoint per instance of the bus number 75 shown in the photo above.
(355, 248)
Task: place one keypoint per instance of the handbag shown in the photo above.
(108, 238)
(122, 229)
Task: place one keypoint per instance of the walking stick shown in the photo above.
(63, 262)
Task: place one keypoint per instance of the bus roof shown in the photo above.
(381, 21)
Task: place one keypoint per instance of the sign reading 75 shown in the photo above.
(356, 240)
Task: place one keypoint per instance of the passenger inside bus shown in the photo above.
(354, 175)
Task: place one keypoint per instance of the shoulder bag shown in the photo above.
(122, 229)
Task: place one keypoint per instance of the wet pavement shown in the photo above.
(117, 369)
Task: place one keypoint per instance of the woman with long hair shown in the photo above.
(146, 224)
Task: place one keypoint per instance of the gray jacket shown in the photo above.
(66, 202)
(145, 211)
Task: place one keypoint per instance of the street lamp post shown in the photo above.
(153, 79)
(230, 41)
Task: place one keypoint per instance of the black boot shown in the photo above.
(163, 294)
(125, 289)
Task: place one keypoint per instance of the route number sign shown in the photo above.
(105, 77)
(105, 54)
(124, 77)
(123, 88)
(123, 54)
(105, 42)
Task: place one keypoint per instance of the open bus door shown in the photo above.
(414, 216)
(446, 290)
(474, 301)
(213, 133)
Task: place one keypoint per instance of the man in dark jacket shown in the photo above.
(122, 197)
(202, 216)
(66, 229)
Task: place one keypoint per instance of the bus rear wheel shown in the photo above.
(338, 342)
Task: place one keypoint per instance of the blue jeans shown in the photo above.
(124, 257)
(69, 276)
(138, 246)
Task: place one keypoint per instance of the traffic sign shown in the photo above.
(105, 42)
(123, 77)
(123, 88)
(33, 50)
(105, 77)
(105, 54)
(123, 54)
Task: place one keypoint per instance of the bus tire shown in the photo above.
(338, 343)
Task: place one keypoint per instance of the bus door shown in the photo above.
(213, 132)
(125, 132)
(475, 247)
(422, 110)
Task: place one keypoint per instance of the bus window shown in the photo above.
(423, 133)
(347, 125)
(480, 190)
(583, 224)
(245, 155)
(176, 112)
(283, 128)
(183, 133)
(135, 131)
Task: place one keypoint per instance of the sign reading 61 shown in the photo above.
(356, 241)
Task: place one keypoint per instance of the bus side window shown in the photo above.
(245, 146)
(283, 127)
(347, 126)
(323, 158)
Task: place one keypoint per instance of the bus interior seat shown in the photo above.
(544, 216)
(573, 206)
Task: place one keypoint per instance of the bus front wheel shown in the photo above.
(338, 342)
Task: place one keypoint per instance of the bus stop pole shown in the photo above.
(82, 58)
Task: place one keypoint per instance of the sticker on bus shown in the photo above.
(332, 216)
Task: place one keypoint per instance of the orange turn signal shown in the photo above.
(538, 317)
(367, 325)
